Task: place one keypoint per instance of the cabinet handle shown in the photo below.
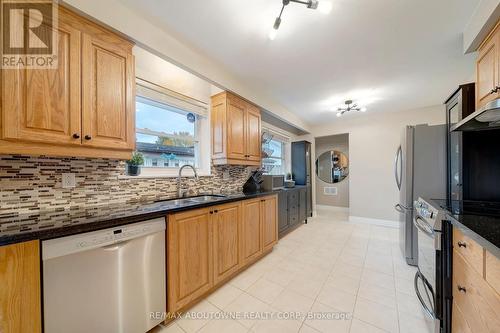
(76, 136)
(88, 137)
(461, 289)
(216, 211)
(211, 212)
(462, 244)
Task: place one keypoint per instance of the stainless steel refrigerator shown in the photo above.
(420, 171)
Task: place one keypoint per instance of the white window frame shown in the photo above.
(286, 140)
(202, 149)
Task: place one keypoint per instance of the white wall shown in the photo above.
(158, 71)
(373, 140)
(325, 144)
(140, 29)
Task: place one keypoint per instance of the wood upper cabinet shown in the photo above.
(190, 246)
(236, 131)
(20, 296)
(251, 230)
(253, 134)
(43, 105)
(108, 92)
(236, 128)
(488, 70)
(84, 107)
(226, 222)
(269, 213)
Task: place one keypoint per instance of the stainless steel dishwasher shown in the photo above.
(106, 281)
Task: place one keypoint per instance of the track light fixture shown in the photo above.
(323, 6)
(349, 106)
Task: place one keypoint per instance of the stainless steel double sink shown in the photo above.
(194, 200)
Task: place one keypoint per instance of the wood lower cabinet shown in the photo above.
(20, 296)
(84, 107)
(226, 222)
(251, 230)
(269, 217)
(476, 300)
(190, 246)
(208, 246)
(236, 131)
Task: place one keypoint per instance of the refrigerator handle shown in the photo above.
(399, 154)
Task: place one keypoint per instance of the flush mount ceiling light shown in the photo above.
(323, 6)
(349, 106)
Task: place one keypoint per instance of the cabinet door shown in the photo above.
(108, 92)
(218, 120)
(226, 230)
(302, 204)
(253, 133)
(43, 105)
(236, 119)
(293, 208)
(251, 230)
(190, 245)
(487, 72)
(20, 297)
(282, 211)
(269, 207)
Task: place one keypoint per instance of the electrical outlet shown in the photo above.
(225, 175)
(68, 180)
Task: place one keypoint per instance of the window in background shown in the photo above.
(274, 155)
(165, 136)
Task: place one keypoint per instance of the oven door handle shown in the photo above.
(427, 285)
(401, 209)
(423, 226)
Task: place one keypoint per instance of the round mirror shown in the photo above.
(332, 166)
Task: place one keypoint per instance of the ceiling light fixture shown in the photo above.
(349, 107)
(323, 6)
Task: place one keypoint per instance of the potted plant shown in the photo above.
(289, 176)
(134, 164)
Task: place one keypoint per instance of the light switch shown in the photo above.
(68, 180)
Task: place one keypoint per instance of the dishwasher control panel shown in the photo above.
(101, 238)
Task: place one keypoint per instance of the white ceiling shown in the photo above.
(390, 55)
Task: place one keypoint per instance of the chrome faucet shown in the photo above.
(180, 192)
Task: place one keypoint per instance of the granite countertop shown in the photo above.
(483, 229)
(48, 224)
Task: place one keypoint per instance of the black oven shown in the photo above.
(432, 280)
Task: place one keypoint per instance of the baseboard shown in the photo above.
(379, 222)
(332, 208)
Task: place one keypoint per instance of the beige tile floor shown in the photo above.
(329, 266)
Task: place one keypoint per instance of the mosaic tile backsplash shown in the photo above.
(34, 183)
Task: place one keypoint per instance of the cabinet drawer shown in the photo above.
(478, 302)
(472, 252)
(492, 271)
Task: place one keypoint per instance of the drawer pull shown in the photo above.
(461, 289)
(462, 244)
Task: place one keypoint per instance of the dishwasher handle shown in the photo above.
(116, 246)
